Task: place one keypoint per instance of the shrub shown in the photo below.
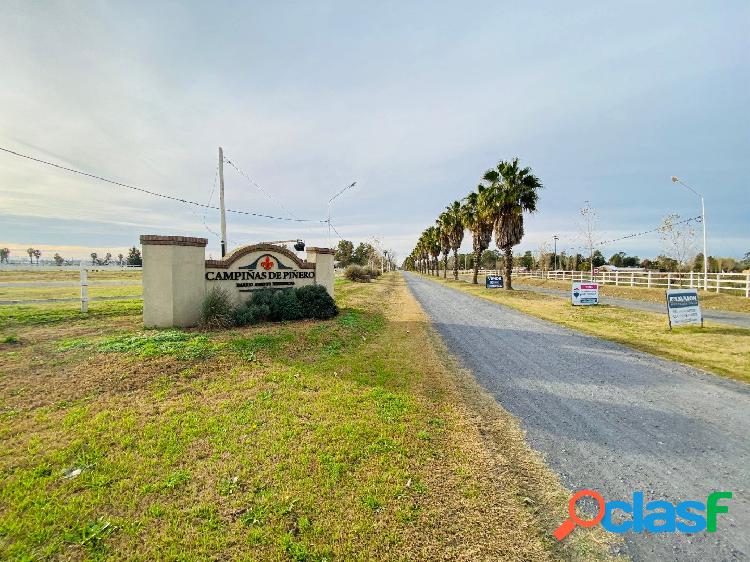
(217, 310)
(251, 313)
(356, 273)
(285, 305)
(316, 302)
(374, 273)
(263, 297)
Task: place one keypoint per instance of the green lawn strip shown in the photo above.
(275, 454)
(12, 316)
(39, 293)
(719, 349)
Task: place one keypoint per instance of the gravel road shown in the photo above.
(610, 418)
(741, 319)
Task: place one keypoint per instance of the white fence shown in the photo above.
(731, 283)
(84, 283)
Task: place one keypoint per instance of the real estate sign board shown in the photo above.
(584, 293)
(493, 282)
(683, 307)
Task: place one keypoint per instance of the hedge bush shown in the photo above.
(356, 273)
(285, 305)
(316, 302)
(311, 301)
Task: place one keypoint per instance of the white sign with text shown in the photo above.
(683, 307)
(584, 293)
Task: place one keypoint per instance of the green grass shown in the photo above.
(332, 440)
(45, 314)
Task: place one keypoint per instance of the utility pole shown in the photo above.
(221, 205)
(555, 238)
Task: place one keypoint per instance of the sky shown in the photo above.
(413, 100)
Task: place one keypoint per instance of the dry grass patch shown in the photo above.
(30, 276)
(712, 300)
(716, 348)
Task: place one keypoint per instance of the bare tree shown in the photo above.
(678, 238)
(120, 259)
(542, 256)
(94, 257)
(587, 226)
(37, 255)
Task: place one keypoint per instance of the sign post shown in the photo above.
(493, 282)
(683, 308)
(584, 293)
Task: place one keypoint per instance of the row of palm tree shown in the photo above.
(495, 207)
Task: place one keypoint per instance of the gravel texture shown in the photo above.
(610, 418)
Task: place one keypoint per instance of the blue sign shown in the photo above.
(493, 282)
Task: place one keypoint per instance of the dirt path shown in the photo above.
(608, 417)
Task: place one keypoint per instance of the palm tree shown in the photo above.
(453, 226)
(477, 216)
(513, 190)
(443, 222)
(433, 247)
(423, 252)
(30, 251)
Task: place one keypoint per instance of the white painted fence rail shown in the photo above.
(730, 283)
(84, 283)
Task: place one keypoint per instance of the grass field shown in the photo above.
(716, 301)
(63, 292)
(26, 276)
(354, 438)
(716, 348)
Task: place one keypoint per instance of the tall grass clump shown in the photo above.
(217, 310)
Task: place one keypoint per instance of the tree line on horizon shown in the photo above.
(133, 258)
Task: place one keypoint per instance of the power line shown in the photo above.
(255, 184)
(659, 229)
(634, 235)
(153, 193)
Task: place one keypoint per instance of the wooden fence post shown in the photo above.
(84, 289)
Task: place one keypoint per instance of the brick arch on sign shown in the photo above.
(232, 257)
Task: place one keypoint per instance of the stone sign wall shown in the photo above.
(176, 275)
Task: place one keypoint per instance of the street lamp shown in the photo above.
(675, 179)
(329, 208)
(555, 238)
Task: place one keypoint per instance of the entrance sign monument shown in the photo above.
(177, 276)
